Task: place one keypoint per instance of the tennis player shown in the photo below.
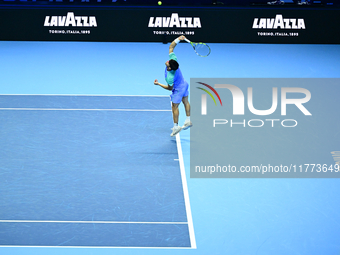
(178, 86)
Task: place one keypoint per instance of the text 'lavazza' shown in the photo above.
(70, 20)
(279, 22)
(175, 21)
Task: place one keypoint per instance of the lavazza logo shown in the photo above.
(175, 21)
(188, 24)
(279, 22)
(70, 20)
(239, 105)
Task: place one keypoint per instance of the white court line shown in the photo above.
(91, 222)
(186, 193)
(60, 109)
(96, 247)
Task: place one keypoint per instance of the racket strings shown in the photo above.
(202, 49)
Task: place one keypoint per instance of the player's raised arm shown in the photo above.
(175, 42)
(168, 87)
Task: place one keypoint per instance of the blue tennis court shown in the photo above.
(95, 175)
(80, 171)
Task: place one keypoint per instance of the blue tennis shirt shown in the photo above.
(175, 78)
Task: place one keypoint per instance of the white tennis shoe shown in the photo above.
(176, 130)
(187, 124)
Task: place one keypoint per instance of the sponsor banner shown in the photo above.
(264, 128)
(49, 25)
(70, 20)
(215, 25)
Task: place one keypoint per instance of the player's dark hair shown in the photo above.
(173, 64)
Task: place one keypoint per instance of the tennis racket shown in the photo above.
(201, 49)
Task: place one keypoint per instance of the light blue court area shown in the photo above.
(79, 171)
(230, 216)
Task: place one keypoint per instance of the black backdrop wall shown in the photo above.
(162, 24)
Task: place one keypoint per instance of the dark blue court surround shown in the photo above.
(90, 171)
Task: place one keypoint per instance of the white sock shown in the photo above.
(188, 118)
(175, 124)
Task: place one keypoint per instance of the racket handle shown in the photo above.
(187, 40)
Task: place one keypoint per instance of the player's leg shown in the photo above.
(185, 101)
(187, 123)
(175, 114)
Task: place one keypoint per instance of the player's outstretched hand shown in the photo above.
(182, 37)
(156, 82)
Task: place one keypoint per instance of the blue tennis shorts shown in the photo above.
(179, 93)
